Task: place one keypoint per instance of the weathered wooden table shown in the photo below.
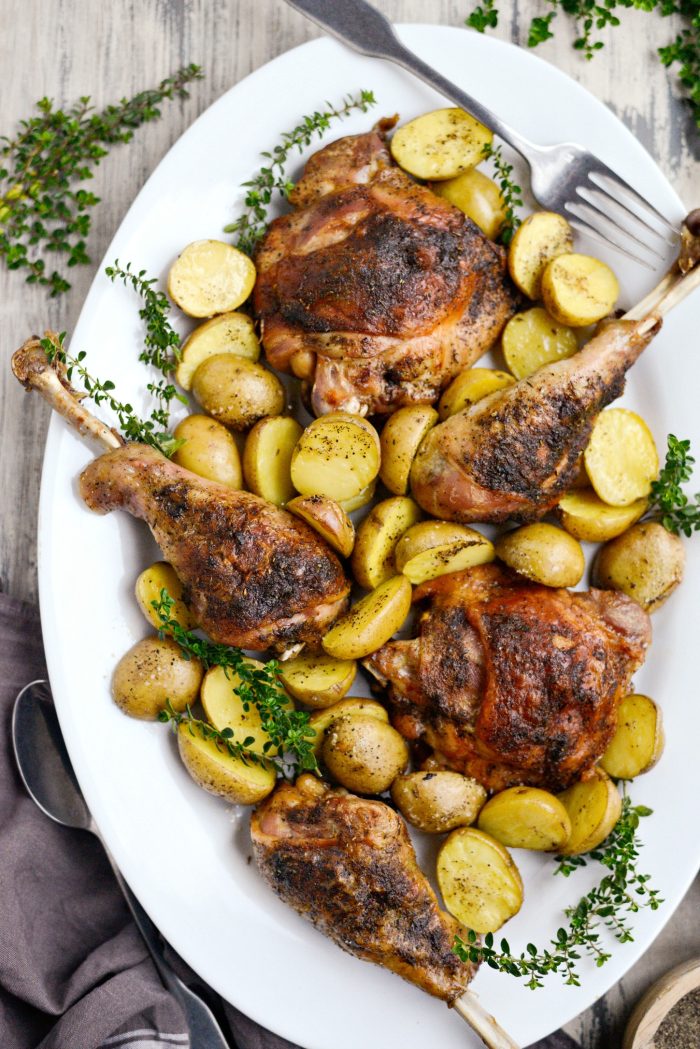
(68, 48)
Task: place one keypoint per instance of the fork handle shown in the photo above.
(360, 26)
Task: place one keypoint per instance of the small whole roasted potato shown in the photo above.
(478, 196)
(646, 562)
(469, 387)
(149, 586)
(210, 277)
(594, 806)
(479, 881)
(236, 391)
(543, 236)
(372, 560)
(437, 802)
(317, 680)
(328, 518)
(371, 622)
(441, 144)
(209, 450)
(267, 458)
(364, 754)
(337, 456)
(532, 339)
(638, 742)
(400, 440)
(578, 290)
(526, 818)
(152, 673)
(353, 706)
(585, 516)
(229, 333)
(544, 553)
(621, 457)
(221, 773)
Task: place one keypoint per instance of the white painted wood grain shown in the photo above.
(66, 48)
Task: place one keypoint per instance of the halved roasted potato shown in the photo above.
(337, 455)
(210, 277)
(225, 709)
(478, 879)
(542, 237)
(228, 333)
(153, 673)
(579, 290)
(267, 458)
(363, 753)
(237, 392)
(532, 339)
(544, 553)
(321, 719)
(434, 548)
(594, 807)
(621, 457)
(149, 585)
(440, 144)
(370, 623)
(400, 440)
(526, 818)
(646, 562)
(638, 742)
(326, 517)
(469, 387)
(209, 763)
(478, 196)
(316, 679)
(372, 560)
(209, 450)
(587, 517)
(437, 802)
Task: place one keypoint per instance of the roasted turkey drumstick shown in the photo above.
(511, 682)
(254, 575)
(347, 865)
(514, 453)
(374, 290)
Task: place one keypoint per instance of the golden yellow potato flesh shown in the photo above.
(441, 144)
(578, 289)
(638, 742)
(621, 457)
(229, 333)
(478, 196)
(400, 440)
(372, 561)
(318, 680)
(526, 818)
(543, 236)
(532, 339)
(587, 517)
(469, 387)
(267, 458)
(594, 806)
(210, 277)
(371, 622)
(149, 587)
(478, 879)
(212, 767)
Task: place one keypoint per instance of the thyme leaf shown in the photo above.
(271, 178)
(289, 730)
(668, 500)
(43, 209)
(620, 893)
(223, 739)
(510, 192)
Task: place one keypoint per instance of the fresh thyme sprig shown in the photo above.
(668, 501)
(101, 392)
(510, 191)
(161, 341)
(251, 225)
(42, 208)
(590, 16)
(622, 892)
(289, 730)
(224, 739)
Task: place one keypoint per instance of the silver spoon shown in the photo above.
(47, 773)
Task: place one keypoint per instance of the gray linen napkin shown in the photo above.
(74, 972)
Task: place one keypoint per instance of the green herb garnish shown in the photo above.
(42, 210)
(289, 730)
(101, 392)
(622, 892)
(668, 501)
(161, 341)
(510, 192)
(590, 16)
(252, 224)
(224, 739)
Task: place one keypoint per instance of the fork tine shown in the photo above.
(583, 226)
(601, 200)
(598, 177)
(591, 211)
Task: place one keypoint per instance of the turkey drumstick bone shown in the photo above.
(514, 453)
(253, 575)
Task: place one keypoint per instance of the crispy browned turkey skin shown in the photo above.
(347, 864)
(374, 290)
(254, 575)
(512, 682)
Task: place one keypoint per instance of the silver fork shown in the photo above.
(564, 178)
